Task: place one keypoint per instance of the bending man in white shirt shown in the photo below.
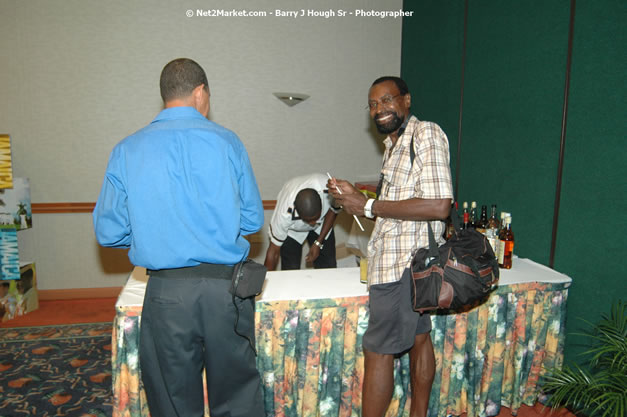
(304, 211)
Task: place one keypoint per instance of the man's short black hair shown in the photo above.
(308, 203)
(400, 84)
(179, 78)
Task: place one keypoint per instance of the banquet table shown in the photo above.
(309, 327)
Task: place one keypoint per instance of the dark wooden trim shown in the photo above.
(62, 207)
(269, 204)
(560, 165)
(88, 207)
(79, 293)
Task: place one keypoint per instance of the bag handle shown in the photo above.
(455, 219)
(433, 252)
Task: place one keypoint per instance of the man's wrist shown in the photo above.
(368, 208)
(319, 244)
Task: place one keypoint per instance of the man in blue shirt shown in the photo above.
(181, 194)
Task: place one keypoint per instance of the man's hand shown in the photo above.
(314, 252)
(344, 186)
(347, 196)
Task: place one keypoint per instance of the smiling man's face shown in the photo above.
(388, 108)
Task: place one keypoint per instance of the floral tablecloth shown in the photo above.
(311, 361)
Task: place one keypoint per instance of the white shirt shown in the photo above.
(283, 224)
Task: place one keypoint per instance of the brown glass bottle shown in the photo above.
(506, 244)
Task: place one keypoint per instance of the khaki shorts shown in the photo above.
(393, 323)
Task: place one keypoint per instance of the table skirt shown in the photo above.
(311, 361)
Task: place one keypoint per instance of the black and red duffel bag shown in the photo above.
(461, 272)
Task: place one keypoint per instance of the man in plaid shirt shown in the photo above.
(413, 192)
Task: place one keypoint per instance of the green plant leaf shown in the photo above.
(601, 389)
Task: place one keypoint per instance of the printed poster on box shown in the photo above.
(9, 255)
(6, 169)
(15, 206)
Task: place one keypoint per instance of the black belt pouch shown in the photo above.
(248, 279)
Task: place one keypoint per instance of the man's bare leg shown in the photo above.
(422, 368)
(378, 384)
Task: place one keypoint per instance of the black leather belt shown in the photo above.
(210, 271)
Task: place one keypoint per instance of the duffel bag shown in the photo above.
(460, 273)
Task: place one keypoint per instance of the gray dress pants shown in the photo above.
(187, 325)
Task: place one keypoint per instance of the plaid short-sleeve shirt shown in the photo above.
(394, 241)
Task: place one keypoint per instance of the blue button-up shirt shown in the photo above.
(179, 192)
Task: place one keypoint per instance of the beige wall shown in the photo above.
(77, 76)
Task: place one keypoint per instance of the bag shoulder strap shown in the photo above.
(412, 152)
(455, 218)
(433, 251)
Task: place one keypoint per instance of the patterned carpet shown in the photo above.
(61, 370)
